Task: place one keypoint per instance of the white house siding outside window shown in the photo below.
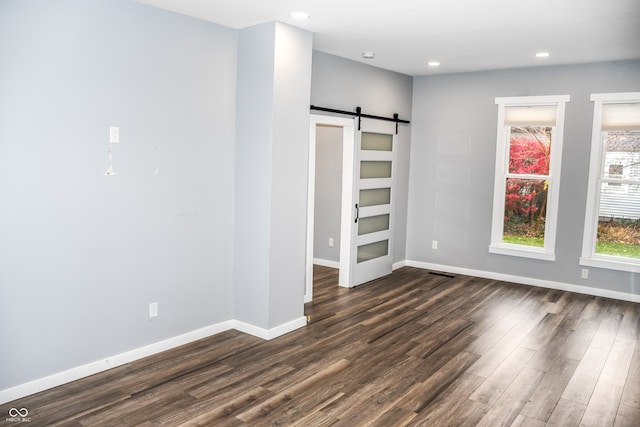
(612, 219)
(527, 177)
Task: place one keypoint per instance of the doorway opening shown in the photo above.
(350, 208)
(329, 139)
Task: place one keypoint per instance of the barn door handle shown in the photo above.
(357, 212)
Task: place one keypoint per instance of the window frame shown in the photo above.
(589, 258)
(497, 245)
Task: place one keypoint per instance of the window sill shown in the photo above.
(611, 264)
(522, 252)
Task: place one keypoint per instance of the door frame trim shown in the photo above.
(348, 142)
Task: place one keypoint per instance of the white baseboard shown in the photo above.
(336, 264)
(399, 264)
(527, 281)
(92, 368)
(326, 263)
(269, 334)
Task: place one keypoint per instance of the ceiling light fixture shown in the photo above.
(433, 64)
(368, 55)
(300, 15)
(542, 55)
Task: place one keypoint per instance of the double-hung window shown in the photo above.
(612, 219)
(527, 177)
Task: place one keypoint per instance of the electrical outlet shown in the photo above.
(434, 244)
(330, 242)
(585, 273)
(153, 310)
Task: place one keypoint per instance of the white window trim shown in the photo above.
(497, 246)
(589, 257)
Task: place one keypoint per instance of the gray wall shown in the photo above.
(292, 88)
(253, 173)
(343, 84)
(453, 160)
(82, 254)
(328, 193)
(272, 159)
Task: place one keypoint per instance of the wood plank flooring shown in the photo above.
(414, 348)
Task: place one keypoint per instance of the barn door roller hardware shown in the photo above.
(359, 114)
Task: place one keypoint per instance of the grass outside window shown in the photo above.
(619, 237)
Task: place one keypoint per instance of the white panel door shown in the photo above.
(370, 209)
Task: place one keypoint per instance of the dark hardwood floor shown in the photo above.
(414, 348)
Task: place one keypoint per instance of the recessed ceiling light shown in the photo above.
(368, 55)
(300, 15)
(433, 64)
(542, 55)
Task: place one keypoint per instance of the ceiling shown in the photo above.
(463, 35)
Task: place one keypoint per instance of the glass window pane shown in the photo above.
(622, 155)
(376, 141)
(375, 197)
(619, 210)
(619, 201)
(618, 237)
(373, 250)
(375, 169)
(373, 224)
(529, 150)
(525, 208)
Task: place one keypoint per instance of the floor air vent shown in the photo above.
(435, 273)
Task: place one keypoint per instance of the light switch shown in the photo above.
(153, 310)
(114, 135)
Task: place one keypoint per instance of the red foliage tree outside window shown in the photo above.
(526, 194)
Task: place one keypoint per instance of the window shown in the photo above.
(528, 157)
(615, 171)
(612, 218)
